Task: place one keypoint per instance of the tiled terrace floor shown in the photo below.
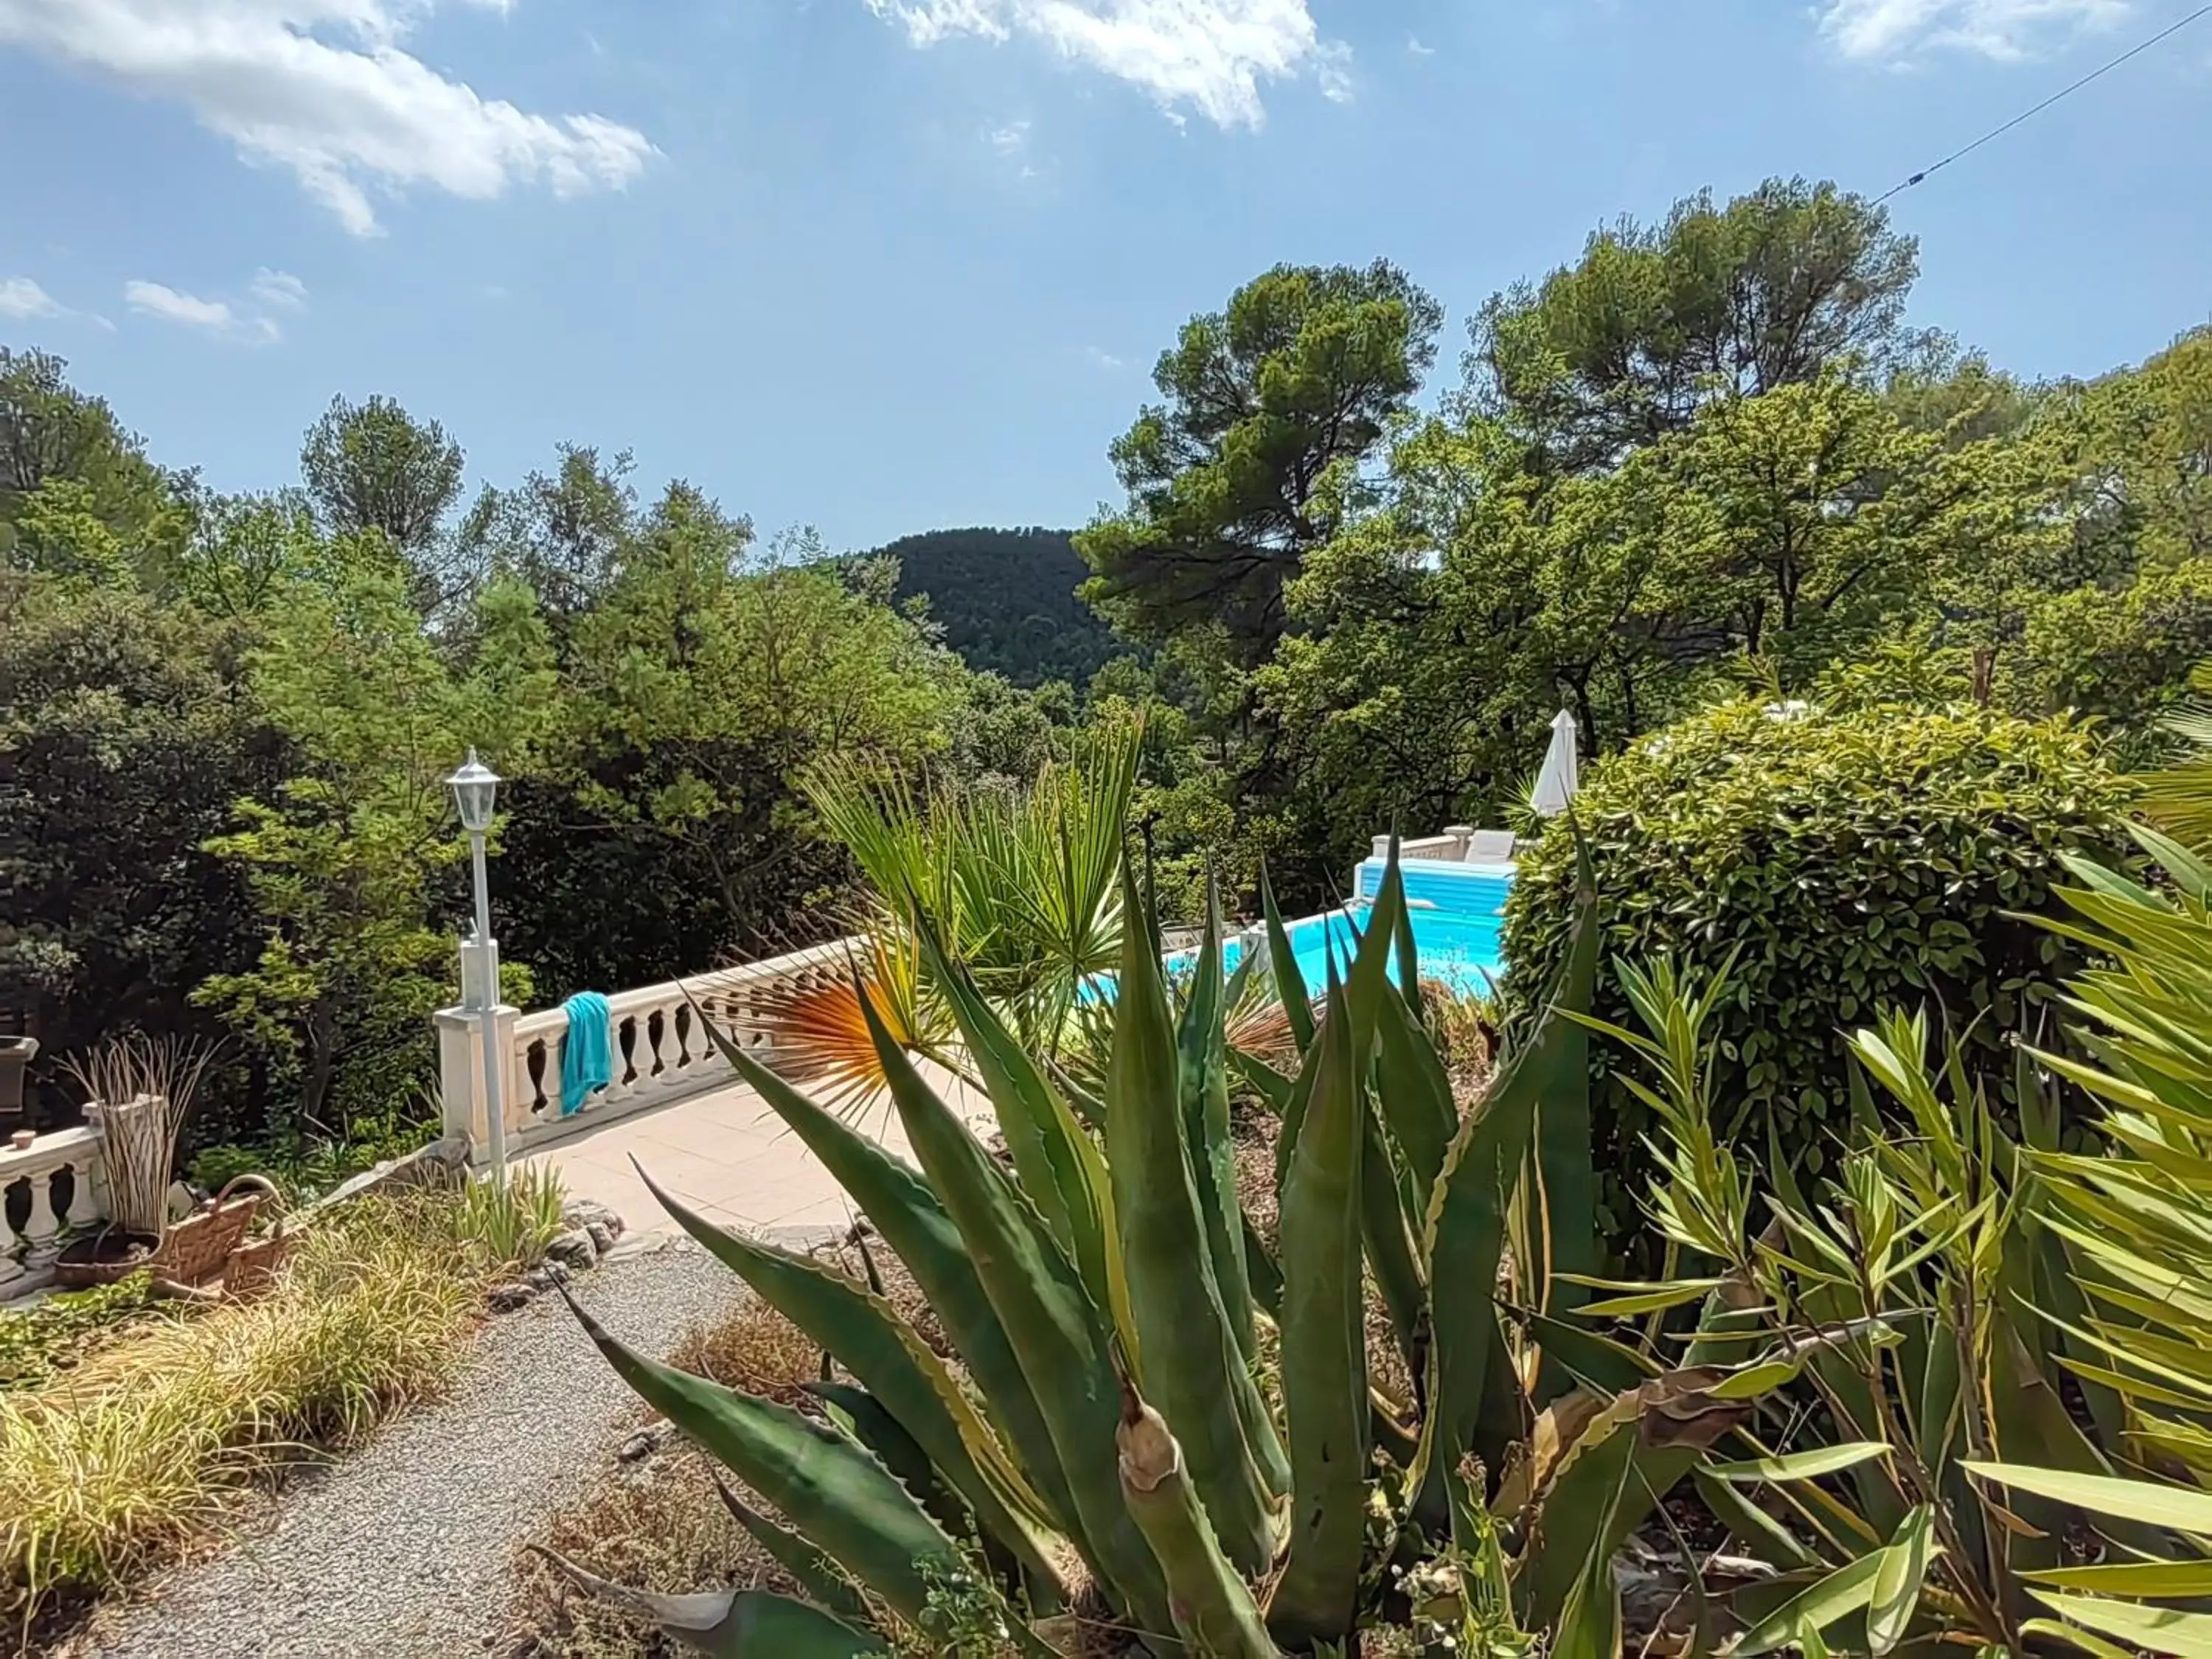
(728, 1156)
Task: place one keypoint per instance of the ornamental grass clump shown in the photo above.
(122, 1461)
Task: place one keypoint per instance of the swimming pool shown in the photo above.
(1459, 915)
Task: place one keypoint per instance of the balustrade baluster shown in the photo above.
(44, 1226)
(85, 1206)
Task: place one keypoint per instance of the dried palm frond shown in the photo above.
(1261, 1029)
(143, 1086)
(814, 1028)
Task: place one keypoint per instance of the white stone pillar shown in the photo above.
(461, 1073)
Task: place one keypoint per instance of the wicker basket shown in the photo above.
(199, 1248)
(191, 1251)
(254, 1263)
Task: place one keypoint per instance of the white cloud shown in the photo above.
(279, 289)
(1413, 45)
(1896, 30)
(1102, 358)
(322, 89)
(1010, 140)
(159, 300)
(21, 300)
(1207, 55)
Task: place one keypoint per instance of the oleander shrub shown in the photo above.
(1843, 859)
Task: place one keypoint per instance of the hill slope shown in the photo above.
(1007, 599)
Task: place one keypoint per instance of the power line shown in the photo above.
(2064, 92)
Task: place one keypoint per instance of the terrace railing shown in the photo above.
(57, 1182)
(660, 1052)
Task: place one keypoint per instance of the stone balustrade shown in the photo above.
(660, 1050)
(56, 1184)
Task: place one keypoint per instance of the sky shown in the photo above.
(878, 266)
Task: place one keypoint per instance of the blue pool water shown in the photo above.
(1458, 912)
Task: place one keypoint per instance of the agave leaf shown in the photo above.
(731, 1623)
(1324, 1355)
(919, 1232)
(1202, 1052)
(1591, 1624)
(1059, 1167)
(1166, 1251)
(1413, 1094)
(863, 1417)
(838, 1495)
(1465, 1232)
(1565, 1136)
(1214, 1612)
(813, 1572)
(1289, 980)
(1389, 1248)
(912, 1384)
(1264, 1080)
(1059, 1338)
(1260, 1264)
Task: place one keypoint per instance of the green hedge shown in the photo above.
(1850, 860)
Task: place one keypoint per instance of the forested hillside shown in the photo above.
(1007, 600)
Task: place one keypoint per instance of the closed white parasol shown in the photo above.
(1556, 782)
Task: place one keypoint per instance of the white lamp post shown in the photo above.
(476, 789)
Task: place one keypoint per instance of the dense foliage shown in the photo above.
(1709, 451)
(1005, 600)
(1835, 860)
(224, 722)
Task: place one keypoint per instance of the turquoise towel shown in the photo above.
(587, 1057)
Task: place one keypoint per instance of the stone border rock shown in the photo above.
(587, 1236)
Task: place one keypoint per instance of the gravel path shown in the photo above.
(403, 1548)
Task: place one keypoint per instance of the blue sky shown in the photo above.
(883, 265)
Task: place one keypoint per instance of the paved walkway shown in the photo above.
(730, 1156)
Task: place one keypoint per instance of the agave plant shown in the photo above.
(1153, 1420)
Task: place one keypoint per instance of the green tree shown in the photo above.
(124, 742)
(701, 682)
(342, 855)
(1268, 408)
(73, 483)
(1007, 600)
(1655, 320)
(561, 533)
(373, 466)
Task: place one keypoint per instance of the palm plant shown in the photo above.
(1019, 887)
(1153, 1422)
(2180, 796)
